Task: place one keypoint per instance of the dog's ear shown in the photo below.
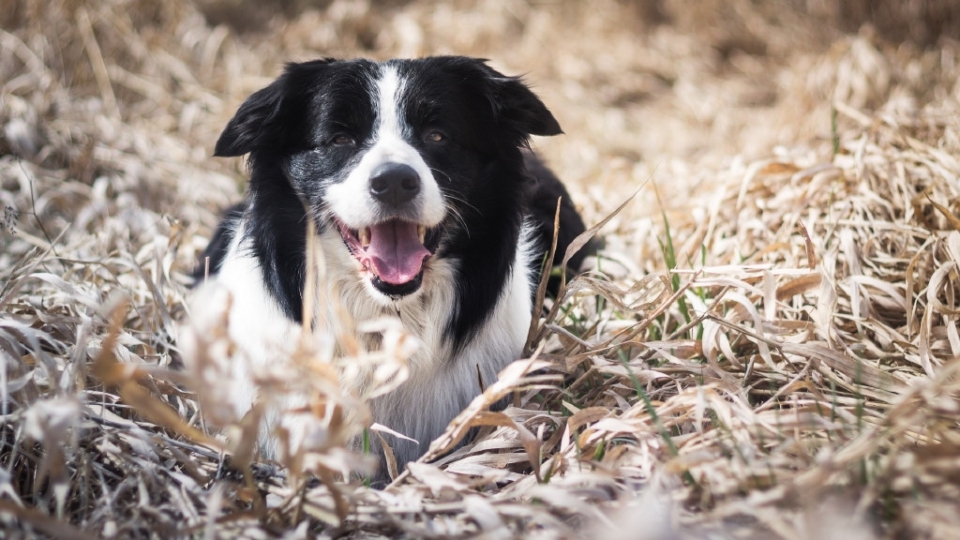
(249, 129)
(268, 116)
(517, 106)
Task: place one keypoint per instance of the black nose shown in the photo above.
(394, 183)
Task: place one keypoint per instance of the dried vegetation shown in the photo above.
(767, 346)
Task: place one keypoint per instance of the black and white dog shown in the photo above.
(428, 207)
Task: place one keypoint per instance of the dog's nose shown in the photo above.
(394, 183)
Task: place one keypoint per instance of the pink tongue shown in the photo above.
(395, 251)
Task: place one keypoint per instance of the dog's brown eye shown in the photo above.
(436, 136)
(343, 140)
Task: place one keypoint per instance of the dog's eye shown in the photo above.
(343, 140)
(436, 137)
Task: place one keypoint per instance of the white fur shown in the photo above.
(253, 312)
(259, 335)
(350, 199)
(438, 387)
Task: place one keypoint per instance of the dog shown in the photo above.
(428, 206)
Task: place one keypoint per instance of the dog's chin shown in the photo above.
(397, 291)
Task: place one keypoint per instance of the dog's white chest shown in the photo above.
(440, 383)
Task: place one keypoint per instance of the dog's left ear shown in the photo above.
(520, 108)
(516, 105)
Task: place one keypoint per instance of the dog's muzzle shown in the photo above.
(394, 250)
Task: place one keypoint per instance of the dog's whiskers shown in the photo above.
(465, 203)
(453, 197)
(459, 217)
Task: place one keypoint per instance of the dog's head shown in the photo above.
(395, 156)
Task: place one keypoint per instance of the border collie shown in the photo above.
(428, 207)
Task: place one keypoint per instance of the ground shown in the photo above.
(766, 347)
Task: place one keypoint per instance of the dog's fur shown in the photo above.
(426, 160)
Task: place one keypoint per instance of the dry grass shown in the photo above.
(766, 348)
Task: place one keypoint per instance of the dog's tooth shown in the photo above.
(422, 233)
(365, 236)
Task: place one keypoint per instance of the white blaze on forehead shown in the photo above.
(389, 94)
(350, 199)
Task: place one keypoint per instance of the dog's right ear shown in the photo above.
(266, 117)
(251, 127)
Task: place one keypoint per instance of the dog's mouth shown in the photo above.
(393, 252)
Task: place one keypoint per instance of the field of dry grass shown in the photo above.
(766, 347)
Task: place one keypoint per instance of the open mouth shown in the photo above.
(393, 252)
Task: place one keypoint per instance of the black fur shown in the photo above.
(212, 257)
(541, 200)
